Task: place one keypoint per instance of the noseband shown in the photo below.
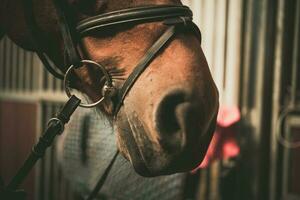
(174, 17)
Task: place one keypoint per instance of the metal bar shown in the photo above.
(20, 66)
(14, 67)
(35, 74)
(7, 63)
(248, 29)
(196, 6)
(208, 31)
(27, 71)
(24, 72)
(278, 70)
(285, 168)
(226, 23)
(219, 33)
(59, 87)
(11, 67)
(296, 55)
(1, 64)
(262, 101)
(233, 53)
(202, 185)
(50, 80)
(38, 73)
(31, 68)
(214, 193)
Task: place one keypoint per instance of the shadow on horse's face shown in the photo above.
(167, 119)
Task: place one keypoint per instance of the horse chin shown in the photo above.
(136, 146)
(147, 156)
(134, 143)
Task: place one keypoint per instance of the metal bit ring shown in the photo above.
(108, 82)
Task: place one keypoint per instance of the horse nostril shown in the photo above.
(167, 121)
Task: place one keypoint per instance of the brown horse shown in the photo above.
(168, 117)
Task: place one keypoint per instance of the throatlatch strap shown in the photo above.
(37, 38)
(68, 32)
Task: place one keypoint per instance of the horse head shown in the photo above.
(167, 119)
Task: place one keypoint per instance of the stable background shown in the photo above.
(252, 47)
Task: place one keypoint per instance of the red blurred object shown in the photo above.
(224, 143)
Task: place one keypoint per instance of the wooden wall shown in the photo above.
(18, 125)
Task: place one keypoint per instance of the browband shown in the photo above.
(133, 15)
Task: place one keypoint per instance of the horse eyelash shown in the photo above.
(116, 73)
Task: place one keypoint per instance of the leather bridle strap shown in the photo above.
(36, 36)
(68, 32)
(137, 15)
(142, 65)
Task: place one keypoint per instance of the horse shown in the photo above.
(166, 122)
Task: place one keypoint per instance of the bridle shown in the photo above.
(174, 17)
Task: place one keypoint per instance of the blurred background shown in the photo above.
(252, 47)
